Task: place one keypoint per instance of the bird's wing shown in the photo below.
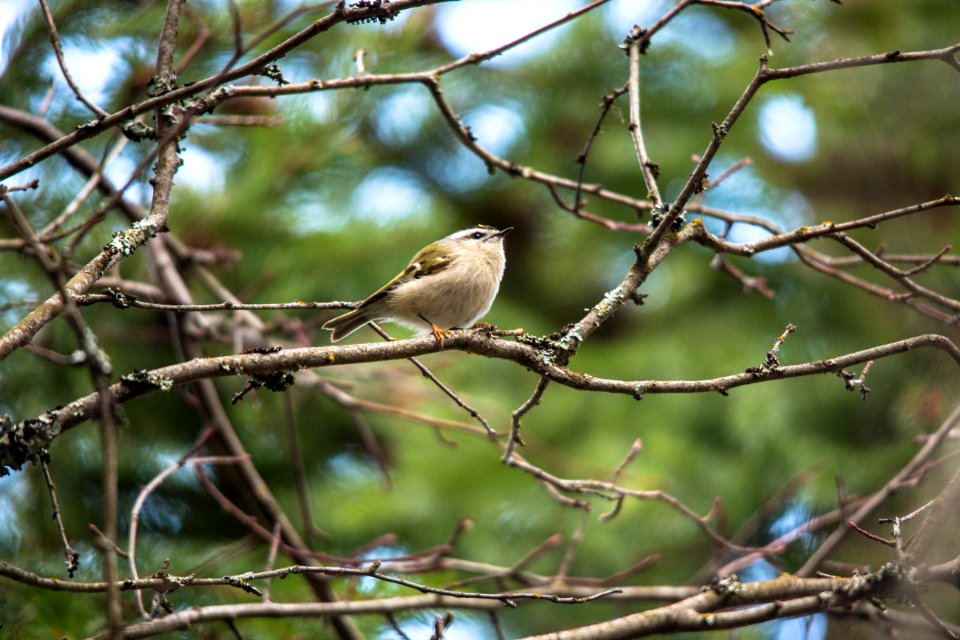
(428, 261)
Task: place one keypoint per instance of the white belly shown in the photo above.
(451, 302)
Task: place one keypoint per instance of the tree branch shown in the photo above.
(21, 442)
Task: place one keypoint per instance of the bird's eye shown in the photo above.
(476, 235)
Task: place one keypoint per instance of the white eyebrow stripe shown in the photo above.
(466, 233)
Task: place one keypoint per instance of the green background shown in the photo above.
(332, 202)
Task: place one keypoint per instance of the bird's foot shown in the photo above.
(438, 334)
(486, 328)
(435, 331)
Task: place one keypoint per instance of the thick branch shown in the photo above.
(186, 618)
(22, 441)
(784, 597)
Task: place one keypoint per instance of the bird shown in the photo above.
(448, 284)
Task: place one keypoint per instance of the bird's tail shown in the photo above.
(344, 325)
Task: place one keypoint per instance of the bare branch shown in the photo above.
(514, 438)
(648, 169)
(929, 447)
(479, 342)
(444, 388)
(70, 555)
(58, 51)
(350, 14)
(149, 488)
(785, 597)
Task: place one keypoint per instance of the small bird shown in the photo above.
(449, 284)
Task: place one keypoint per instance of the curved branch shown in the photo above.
(20, 442)
(357, 13)
(648, 168)
(186, 618)
(779, 239)
(764, 75)
(58, 52)
(784, 597)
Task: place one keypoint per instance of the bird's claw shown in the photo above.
(438, 334)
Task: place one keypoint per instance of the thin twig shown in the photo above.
(353, 403)
(58, 52)
(104, 540)
(929, 447)
(606, 105)
(572, 545)
(630, 457)
(647, 168)
(271, 558)
(149, 488)
(871, 536)
(757, 284)
(203, 36)
(477, 58)
(71, 557)
(74, 359)
(299, 469)
(372, 446)
(583, 214)
(516, 569)
(514, 438)
(110, 460)
(614, 493)
(124, 300)
(755, 10)
(729, 171)
(81, 197)
(446, 390)
(396, 626)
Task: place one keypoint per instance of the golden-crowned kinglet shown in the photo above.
(448, 284)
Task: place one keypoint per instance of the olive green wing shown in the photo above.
(429, 260)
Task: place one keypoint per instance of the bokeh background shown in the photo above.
(332, 202)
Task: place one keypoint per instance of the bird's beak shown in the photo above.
(503, 232)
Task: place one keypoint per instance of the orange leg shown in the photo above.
(437, 332)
